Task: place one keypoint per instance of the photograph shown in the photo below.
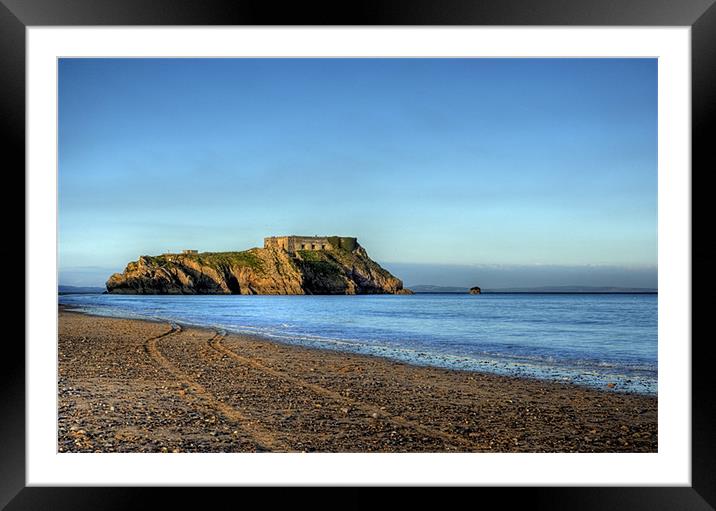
(418, 247)
(357, 255)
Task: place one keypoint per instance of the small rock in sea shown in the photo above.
(374, 415)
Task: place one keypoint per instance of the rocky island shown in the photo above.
(286, 265)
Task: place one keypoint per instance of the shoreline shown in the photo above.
(264, 338)
(131, 385)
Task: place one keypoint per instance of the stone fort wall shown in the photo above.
(294, 243)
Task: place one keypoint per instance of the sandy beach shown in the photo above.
(140, 386)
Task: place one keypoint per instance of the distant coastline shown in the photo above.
(439, 290)
(430, 289)
(541, 292)
(77, 290)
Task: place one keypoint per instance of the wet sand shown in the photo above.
(140, 386)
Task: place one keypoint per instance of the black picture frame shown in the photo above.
(700, 15)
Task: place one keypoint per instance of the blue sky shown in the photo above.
(506, 163)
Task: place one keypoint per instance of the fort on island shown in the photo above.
(292, 244)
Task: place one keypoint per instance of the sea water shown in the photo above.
(601, 340)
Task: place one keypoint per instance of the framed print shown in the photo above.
(413, 247)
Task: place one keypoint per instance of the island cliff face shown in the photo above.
(271, 270)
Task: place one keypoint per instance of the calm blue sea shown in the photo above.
(584, 339)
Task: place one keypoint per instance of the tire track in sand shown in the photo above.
(264, 438)
(370, 409)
